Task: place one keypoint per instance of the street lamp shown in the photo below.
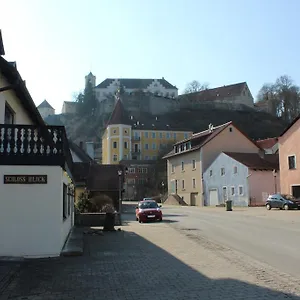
(120, 172)
(275, 181)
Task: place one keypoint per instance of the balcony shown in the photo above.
(135, 139)
(136, 151)
(34, 145)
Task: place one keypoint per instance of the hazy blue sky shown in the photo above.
(57, 42)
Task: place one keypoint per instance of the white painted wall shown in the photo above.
(21, 116)
(31, 221)
(216, 181)
(46, 111)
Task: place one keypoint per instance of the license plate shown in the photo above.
(151, 216)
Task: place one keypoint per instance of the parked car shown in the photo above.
(282, 201)
(148, 210)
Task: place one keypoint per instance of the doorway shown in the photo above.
(296, 191)
(194, 199)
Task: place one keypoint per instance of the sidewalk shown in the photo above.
(148, 261)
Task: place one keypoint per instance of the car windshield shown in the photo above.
(148, 204)
(288, 197)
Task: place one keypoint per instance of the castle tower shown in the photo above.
(116, 140)
(90, 78)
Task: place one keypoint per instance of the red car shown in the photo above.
(148, 210)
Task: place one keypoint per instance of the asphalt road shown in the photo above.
(272, 237)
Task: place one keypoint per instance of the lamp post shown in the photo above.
(275, 181)
(120, 172)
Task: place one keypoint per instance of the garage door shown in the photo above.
(213, 197)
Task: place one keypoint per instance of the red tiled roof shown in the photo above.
(201, 138)
(255, 161)
(119, 115)
(267, 143)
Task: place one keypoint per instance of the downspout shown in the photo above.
(248, 188)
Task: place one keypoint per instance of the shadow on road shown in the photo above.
(124, 265)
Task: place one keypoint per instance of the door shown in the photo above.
(224, 194)
(213, 197)
(193, 199)
(296, 191)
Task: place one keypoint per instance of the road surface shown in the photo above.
(272, 237)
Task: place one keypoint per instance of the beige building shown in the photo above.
(191, 157)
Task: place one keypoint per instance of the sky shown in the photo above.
(57, 42)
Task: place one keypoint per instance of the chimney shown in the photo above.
(81, 145)
(90, 150)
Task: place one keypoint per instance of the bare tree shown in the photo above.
(195, 86)
(282, 97)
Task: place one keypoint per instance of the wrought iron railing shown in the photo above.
(34, 145)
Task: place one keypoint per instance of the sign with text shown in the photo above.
(25, 179)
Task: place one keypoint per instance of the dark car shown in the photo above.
(148, 210)
(282, 201)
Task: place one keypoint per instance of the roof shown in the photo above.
(267, 143)
(201, 138)
(80, 152)
(135, 83)
(80, 171)
(45, 104)
(2, 52)
(14, 78)
(292, 123)
(215, 93)
(104, 177)
(71, 102)
(255, 161)
(119, 115)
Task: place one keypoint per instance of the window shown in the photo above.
(146, 146)
(131, 181)
(185, 135)
(115, 131)
(292, 162)
(235, 170)
(144, 170)
(194, 164)
(232, 191)
(115, 158)
(172, 168)
(230, 129)
(153, 135)
(125, 131)
(194, 183)
(222, 171)
(241, 190)
(146, 135)
(210, 173)
(65, 203)
(125, 156)
(182, 166)
(167, 135)
(182, 184)
(114, 145)
(224, 193)
(153, 146)
(70, 195)
(125, 145)
(131, 170)
(174, 135)
(9, 115)
(160, 135)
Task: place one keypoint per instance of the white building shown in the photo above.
(109, 86)
(36, 205)
(46, 109)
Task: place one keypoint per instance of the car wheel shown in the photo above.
(286, 207)
(268, 206)
(140, 221)
(136, 219)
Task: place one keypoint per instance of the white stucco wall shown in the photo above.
(21, 116)
(216, 181)
(31, 221)
(46, 112)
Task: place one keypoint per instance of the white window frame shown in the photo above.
(114, 145)
(232, 188)
(292, 155)
(223, 174)
(241, 194)
(131, 170)
(226, 188)
(194, 164)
